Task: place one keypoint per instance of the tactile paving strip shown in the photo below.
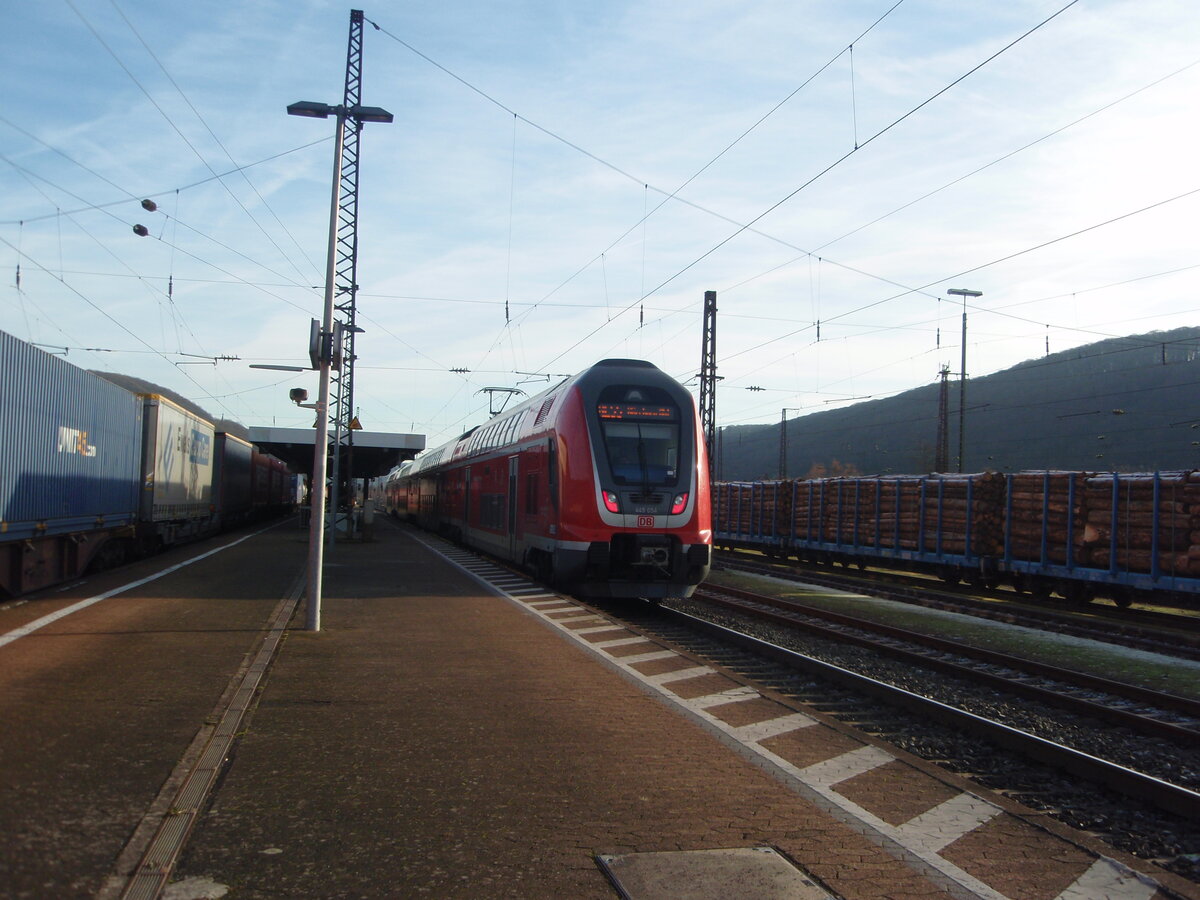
(934, 826)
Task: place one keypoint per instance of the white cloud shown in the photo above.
(655, 90)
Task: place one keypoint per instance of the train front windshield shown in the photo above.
(642, 442)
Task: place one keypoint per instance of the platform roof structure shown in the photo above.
(375, 452)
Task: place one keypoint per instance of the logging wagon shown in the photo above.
(1081, 535)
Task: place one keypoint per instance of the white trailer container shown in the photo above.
(177, 471)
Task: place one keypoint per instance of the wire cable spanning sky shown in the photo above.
(563, 182)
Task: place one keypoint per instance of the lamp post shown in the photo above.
(962, 370)
(316, 530)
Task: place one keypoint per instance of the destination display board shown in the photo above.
(636, 411)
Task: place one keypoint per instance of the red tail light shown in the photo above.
(678, 504)
(610, 501)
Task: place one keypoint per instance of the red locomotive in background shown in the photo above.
(599, 485)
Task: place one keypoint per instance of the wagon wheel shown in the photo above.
(1075, 592)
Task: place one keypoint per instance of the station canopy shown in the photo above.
(374, 453)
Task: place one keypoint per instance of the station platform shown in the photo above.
(453, 731)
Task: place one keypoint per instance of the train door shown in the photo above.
(512, 506)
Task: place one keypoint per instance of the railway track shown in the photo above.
(1152, 631)
(919, 695)
(1130, 706)
(1138, 792)
(1123, 785)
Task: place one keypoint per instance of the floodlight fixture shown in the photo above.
(314, 109)
(311, 109)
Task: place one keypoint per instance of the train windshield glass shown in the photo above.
(640, 425)
(642, 452)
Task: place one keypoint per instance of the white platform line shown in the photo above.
(848, 765)
(818, 780)
(761, 731)
(960, 877)
(620, 642)
(597, 630)
(33, 626)
(678, 675)
(648, 657)
(734, 695)
(947, 822)
(1110, 880)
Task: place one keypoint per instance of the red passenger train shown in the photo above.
(599, 485)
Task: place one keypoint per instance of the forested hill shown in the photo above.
(1125, 404)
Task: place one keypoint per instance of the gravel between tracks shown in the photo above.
(1171, 841)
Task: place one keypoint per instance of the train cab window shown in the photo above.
(642, 453)
(641, 436)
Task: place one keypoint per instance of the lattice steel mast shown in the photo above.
(941, 461)
(345, 273)
(708, 377)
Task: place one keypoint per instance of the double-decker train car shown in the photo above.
(599, 485)
(92, 474)
(1081, 535)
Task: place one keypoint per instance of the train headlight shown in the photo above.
(610, 501)
(679, 504)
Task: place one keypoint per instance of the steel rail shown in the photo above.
(790, 609)
(1164, 795)
(1132, 633)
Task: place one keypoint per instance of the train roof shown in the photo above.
(479, 437)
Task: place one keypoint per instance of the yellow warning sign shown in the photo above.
(355, 425)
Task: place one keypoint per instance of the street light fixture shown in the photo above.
(962, 371)
(313, 110)
(316, 531)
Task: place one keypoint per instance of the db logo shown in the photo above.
(645, 522)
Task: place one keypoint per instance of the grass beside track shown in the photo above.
(1150, 670)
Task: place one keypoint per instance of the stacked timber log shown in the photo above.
(1175, 516)
(907, 512)
(1042, 510)
(731, 506)
(1052, 509)
(1051, 518)
(757, 509)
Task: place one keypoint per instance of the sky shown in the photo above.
(563, 181)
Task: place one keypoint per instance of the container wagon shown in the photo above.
(70, 466)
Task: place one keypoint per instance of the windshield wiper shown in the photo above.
(641, 448)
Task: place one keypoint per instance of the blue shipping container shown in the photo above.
(70, 446)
